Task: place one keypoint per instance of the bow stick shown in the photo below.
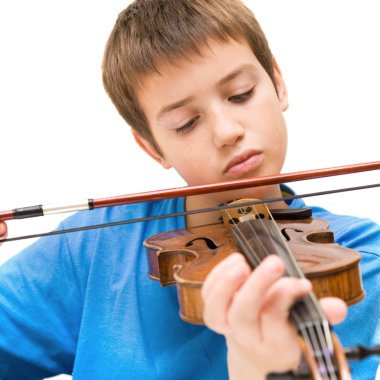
(90, 204)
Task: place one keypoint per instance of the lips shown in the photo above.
(243, 163)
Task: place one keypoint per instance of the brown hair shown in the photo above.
(148, 32)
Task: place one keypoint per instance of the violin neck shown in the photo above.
(259, 238)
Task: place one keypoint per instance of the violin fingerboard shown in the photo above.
(260, 238)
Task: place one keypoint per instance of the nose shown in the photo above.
(226, 129)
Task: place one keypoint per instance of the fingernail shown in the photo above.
(234, 257)
(306, 285)
(236, 270)
(274, 265)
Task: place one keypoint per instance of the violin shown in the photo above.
(185, 257)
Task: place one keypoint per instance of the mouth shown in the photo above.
(243, 163)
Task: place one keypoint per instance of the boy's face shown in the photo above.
(216, 117)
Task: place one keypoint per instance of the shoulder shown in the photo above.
(361, 234)
(77, 238)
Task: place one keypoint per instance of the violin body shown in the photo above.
(185, 257)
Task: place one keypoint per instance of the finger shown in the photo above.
(251, 296)
(335, 309)
(3, 230)
(284, 294)
(219, 271)
(219, 289)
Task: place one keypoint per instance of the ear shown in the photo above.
(282, 91)
(148, 148)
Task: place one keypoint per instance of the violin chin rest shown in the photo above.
(291, 213)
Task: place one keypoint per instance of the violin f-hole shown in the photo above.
(284, 232)
(209, 242)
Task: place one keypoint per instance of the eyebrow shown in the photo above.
(228, 78)
(173, 106)
(241, 69)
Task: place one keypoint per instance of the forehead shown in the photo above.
(210, 52)
(217, 64)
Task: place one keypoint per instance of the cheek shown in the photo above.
(183, 160)
(270, 127)
(280, 132)
(193, 166)
(279, 142)
(276, 123)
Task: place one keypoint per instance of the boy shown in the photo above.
(197, 82)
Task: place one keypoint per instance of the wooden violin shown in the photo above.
(185, 257)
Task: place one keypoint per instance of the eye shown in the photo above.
(241, 98)
(188, 126)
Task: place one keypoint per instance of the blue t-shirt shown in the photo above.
(82, 303)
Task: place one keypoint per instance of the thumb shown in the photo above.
(3, 230)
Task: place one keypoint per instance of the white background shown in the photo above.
(61, 138)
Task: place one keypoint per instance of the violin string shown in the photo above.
(255, 254)
(322, 326)
(310, 302)
(316, 338)
(306, 330)
(184, 213)
(252, 254)
(318, 347)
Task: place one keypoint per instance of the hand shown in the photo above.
(251, 308)
(3, 230)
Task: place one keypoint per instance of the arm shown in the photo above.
(39, 311)
(251, 309)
